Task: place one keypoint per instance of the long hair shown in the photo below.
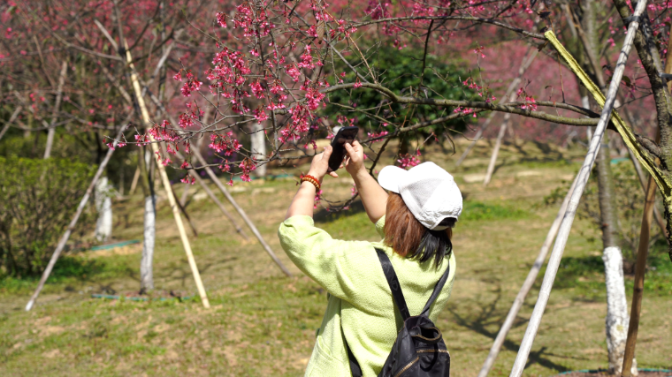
(410, 239)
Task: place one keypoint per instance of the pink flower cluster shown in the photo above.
(163, 133)
(247, 166)
(530, 102)
(188, 179)
(191, 85)
(408, 161)
(378, 136)
(252, 27)
(224, 143)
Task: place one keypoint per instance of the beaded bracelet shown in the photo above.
(311, 179)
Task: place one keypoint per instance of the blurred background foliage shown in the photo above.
(401, 72)
(37, 200)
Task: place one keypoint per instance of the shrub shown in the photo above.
(37, 201)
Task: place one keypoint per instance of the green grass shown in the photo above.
(478, 211)
(68, 271)
(263, 324)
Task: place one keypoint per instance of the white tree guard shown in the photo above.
(146, 269)
(259, 148)
(104, 208)
(617, 310)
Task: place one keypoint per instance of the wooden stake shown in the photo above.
(495, 150)
(11, 120)
(186, 215)
(166, 182)
(527, 286)
(242, 213)
(582, 179)
(134, 183)
(54, 114)
(73, 222)
(219, 204)
(212, 196)
(642, 252)
(640, 269)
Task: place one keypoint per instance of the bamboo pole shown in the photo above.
(638, 166)
(186, 215)
(643, 249)
(54, 114)
(219, 204)
(212, 196)
(134, 183)
(495, 151)
(643, 182)
(526, 287)
(241, 212)
(11, 120)
(524, 65)
(166, 183)
(640, 269)
(582, 179)
(73, 222)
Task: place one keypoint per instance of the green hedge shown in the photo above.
(37, 201)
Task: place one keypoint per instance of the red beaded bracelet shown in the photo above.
(311, 179)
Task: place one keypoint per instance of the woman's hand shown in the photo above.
(355, 161)
(320, 164)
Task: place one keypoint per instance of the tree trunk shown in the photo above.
(259, 148)
(146, 271)
(617, 319)
(617, 308)
(104, 207)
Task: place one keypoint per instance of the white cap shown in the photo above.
(427, 190)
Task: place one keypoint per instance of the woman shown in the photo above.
(423, 205)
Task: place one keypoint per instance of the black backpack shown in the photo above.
(419, 349)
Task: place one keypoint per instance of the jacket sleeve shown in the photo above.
(341, 267)
(380, 227)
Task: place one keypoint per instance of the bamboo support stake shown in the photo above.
(582, 179)
(640, 269)
(642, 181)
(134, 183)
(642, 251)
(527, 286)
(241, 212)
(11, 120)
(212, 196)
(219, 204)
(54, 114)
(495, 150)
(166, 183)
(73, 222)
(186, 215)
(525, 64)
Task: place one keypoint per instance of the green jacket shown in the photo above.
(360, 299)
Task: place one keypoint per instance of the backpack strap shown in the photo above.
(393, 282)
(437, 290)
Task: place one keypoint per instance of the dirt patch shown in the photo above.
(603, 373)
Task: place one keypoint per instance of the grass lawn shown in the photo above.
(263, 324)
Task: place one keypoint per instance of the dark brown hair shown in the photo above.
(410, 239)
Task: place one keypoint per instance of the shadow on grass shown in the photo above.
(68, 269)
(489, 316)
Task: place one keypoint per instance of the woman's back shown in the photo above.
(360, 299)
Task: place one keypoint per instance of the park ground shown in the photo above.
(263, 324)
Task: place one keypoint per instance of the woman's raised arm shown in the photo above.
(373, 196)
